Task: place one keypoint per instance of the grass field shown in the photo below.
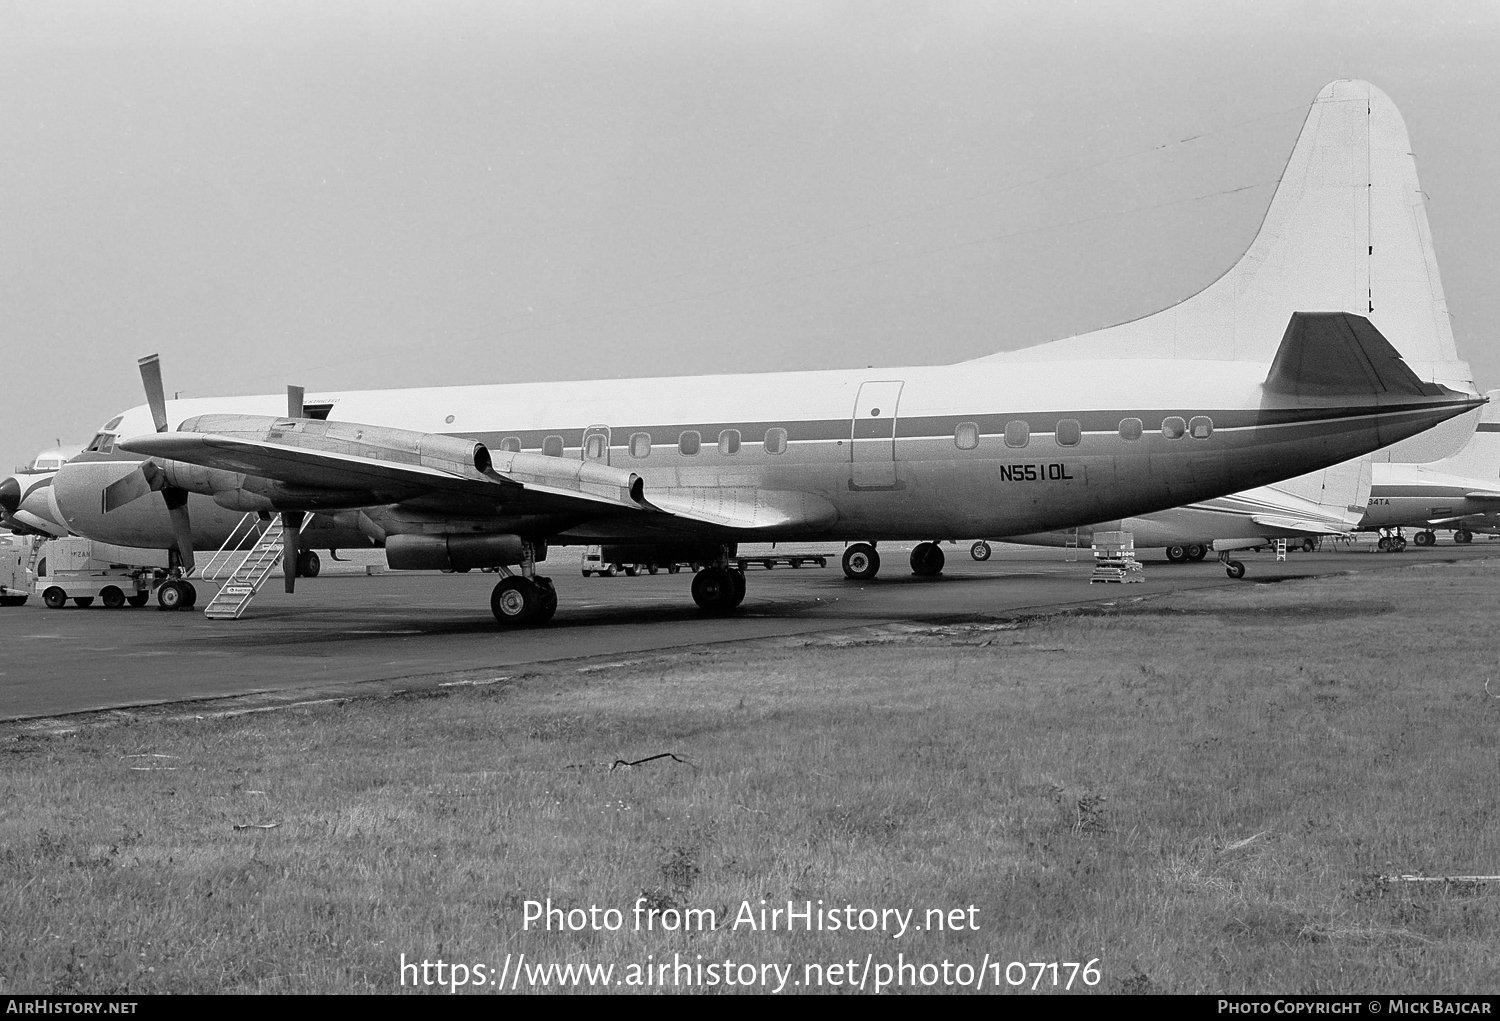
(1201, 792)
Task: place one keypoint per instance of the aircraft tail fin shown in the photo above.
(1480, 457)
(1347, 229)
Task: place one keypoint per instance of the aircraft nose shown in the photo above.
(10, 494)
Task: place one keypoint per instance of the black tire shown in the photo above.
(714, 588)
(1383, 544)
(309, 564)
(1177, 554)
(675, 569)
(630, 571)
(1398, 543)
(546, 602)
(112, 597)
(1463, 536)
(652, 569)
(12, 600)
(587, 573)
(980, 550)
(1309, 545)
(738, 577)
(139, 599)
(1423, 538)
(55, 598)
(191, 595)
(171, 596)
(83, 601)
(610, 571)
(927, 560)
(515, 602)
(1234, 569)
(1196, 552)
(861, 562)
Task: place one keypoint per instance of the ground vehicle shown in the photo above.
(83, 570)
(15, 574)
(596, 562)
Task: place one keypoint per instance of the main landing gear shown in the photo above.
(719, 588)
(861, 562)
(927, 560)
(176, 594)
(526, 598)
(1463, 536)
(1193, 551)
(1395, 542)
(1427, 539)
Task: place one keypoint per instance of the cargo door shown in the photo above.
(872, 435)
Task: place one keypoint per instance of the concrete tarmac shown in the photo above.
(346, 628)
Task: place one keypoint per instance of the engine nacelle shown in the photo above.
(454, 552)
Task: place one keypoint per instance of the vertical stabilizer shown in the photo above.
(1346, 231)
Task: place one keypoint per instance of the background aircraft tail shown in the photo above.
(1480, 457)
(1341, 493)
(1346, 230)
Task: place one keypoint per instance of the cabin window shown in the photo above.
(1130, 429)
(512, 444)
(1201, 427)
(776, 440)
(690, 442)
(552, 446)
(729, 442)
(1069, 432)
(1173, 427)
(966, 436)
(640, 444)
(1017, 434)
(595, 448)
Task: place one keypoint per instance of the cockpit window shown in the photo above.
(97, 442)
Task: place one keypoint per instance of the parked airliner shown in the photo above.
(1284, 366)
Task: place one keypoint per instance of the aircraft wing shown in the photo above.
(1300, 526)
(509, 479)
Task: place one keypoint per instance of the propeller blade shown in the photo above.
(291, 531)
(182, 526)
(294, 402)
(155, 395)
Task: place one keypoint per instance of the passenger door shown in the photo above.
(872, 435)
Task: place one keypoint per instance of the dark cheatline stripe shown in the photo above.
(944, 426)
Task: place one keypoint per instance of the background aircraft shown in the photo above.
(26, 505)
(1322, 503)
(1461, 492)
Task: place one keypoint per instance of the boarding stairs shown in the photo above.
(243, 578)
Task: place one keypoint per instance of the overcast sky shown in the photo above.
(352, 195)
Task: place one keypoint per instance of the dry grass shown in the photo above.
(1197, 791)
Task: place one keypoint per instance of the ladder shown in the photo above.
(1070, 547)
(249, 574)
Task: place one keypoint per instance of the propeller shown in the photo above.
(176, 499)
(291, 531)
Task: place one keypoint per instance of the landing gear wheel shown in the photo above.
(1177, 554)
(1234, 569)
(191, 595)
(1384, 545)
(630, 571)
(308, 564)
(546, 602)
(1196, 552)
(1424, 539)
(112, 597)
(55, 598)
(927, 560)
(675, 569)
(714, 588)
(139, 599)
(738, 577)
(1309, 545)
(515, 601)
(171, 596)
(1463, 536)
(82, 601)
(652, 569)
(1398, 544)
(861, 562)
(980, 550)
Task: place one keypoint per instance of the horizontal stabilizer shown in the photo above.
(1336, 354)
